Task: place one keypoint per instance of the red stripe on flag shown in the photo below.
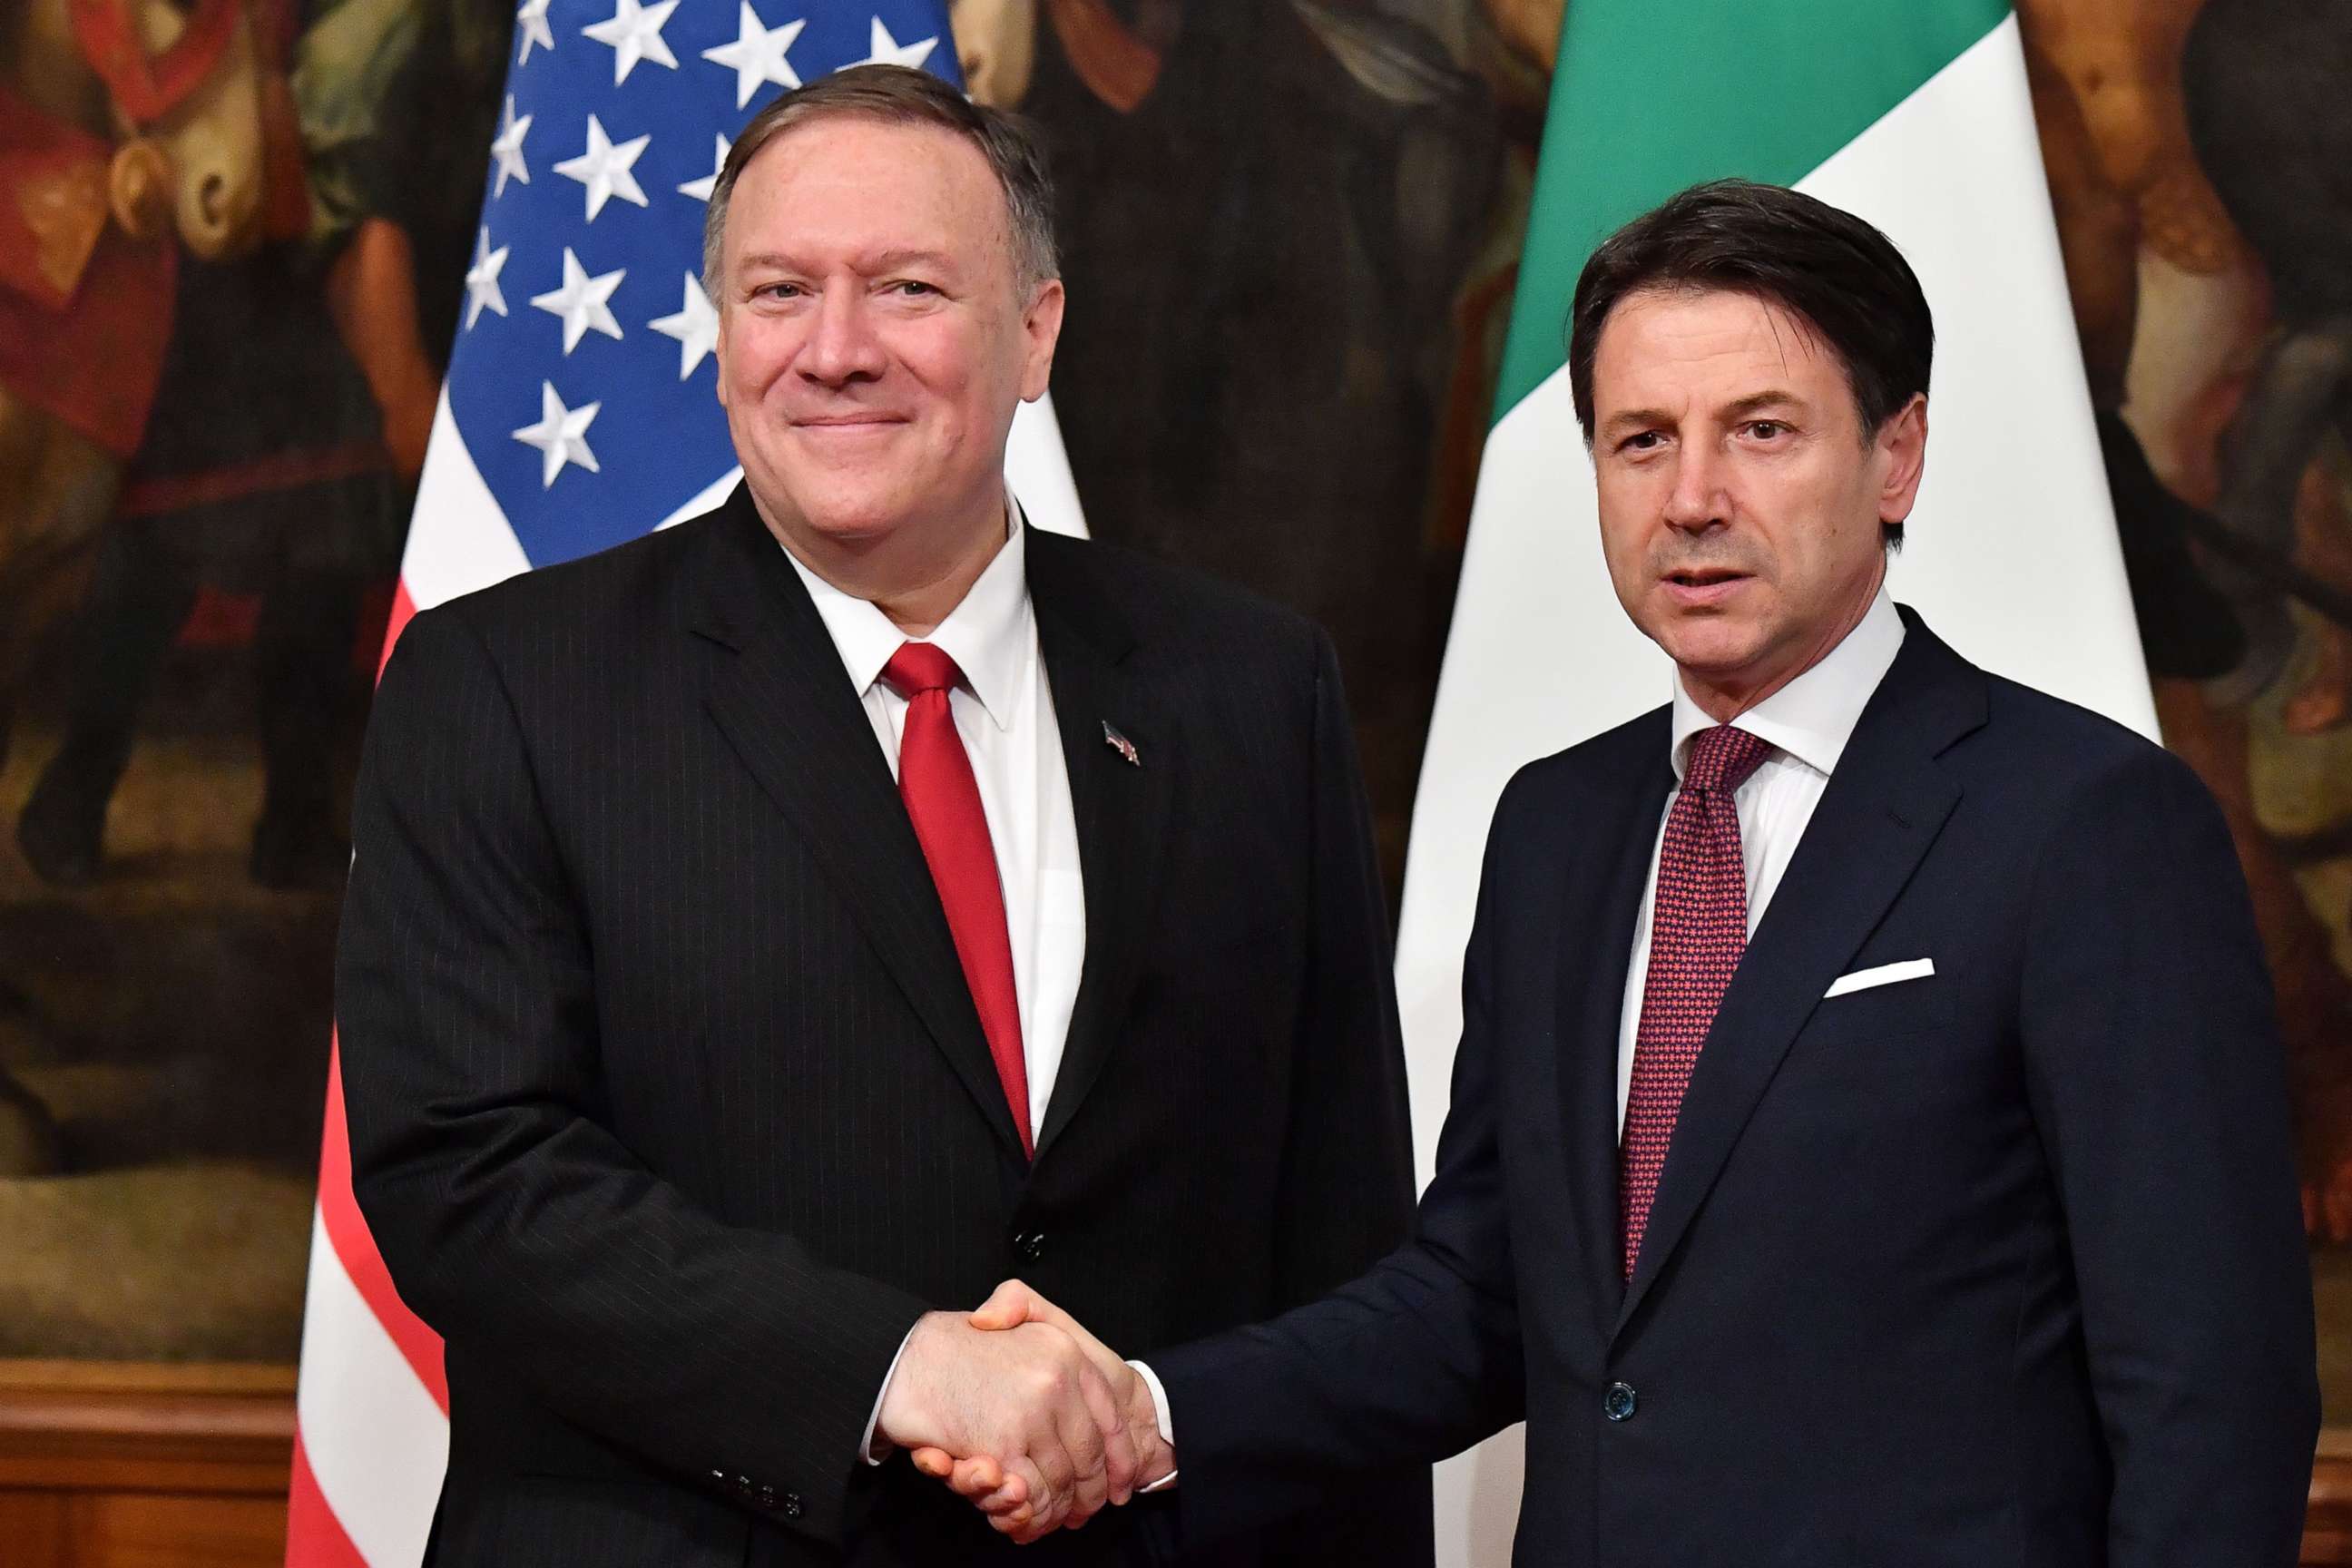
(347, 1232)
(314, 1536)
(402, 608)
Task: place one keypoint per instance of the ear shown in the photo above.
(719, 349)
(1041, 329)
(1902, 445)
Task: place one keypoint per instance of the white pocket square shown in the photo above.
(1884, 974)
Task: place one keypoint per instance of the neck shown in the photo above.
(917, 575)
(1724, 698)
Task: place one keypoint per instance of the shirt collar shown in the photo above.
(986, 634)
(1812, 717)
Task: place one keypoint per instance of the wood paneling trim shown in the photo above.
(2328, 1523)
(82, 1427)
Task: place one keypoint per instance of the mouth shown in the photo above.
(1697, 588)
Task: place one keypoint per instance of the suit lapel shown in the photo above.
(1121, 807)
(1881, 812)
(1597, 942)
(777, 691)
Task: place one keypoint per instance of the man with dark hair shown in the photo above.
(773, 932)
(1869, 1135)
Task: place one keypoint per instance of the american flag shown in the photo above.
(579, 412)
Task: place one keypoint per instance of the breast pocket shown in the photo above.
(1891, 1011)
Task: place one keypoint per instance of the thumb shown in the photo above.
(1012, 1304)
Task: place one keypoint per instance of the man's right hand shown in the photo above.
(1028, 1399)
(999, 1491)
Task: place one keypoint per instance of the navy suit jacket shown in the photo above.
(1999, 1266)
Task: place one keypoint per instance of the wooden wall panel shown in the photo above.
(34, 1530)
(143, 1467)
(146, 1529)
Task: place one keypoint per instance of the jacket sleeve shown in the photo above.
(1415, 1360)
(512, 1219)
(1347, 1188)
(2157, 1084)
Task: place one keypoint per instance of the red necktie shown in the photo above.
(943, 802)
(1698, 929)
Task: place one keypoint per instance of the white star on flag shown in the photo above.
(560, 435)
(582, 301)
(696, 327)
(604, 168)
(482, 291)
(757, 55)
(634, 31)
(531, 27)
(508, 150)
(701, 189)
(889, 51)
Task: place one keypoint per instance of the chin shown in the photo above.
(852, 512)
(1707, 644)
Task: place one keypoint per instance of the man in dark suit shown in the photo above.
(712, 1016)
(1869, 1135)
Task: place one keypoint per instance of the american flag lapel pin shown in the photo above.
(1121, 744)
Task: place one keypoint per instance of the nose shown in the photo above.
(1696, 502)
(842, 345)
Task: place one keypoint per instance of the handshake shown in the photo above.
(1024, 1414)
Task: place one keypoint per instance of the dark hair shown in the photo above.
(1835, 274)
(900, 95)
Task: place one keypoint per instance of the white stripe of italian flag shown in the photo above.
(1912, 114)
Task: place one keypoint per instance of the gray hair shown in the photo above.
(900, 95)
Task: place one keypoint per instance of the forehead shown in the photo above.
(851, 180)
(1684, 344)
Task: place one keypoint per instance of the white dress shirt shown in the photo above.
(1807, 723)
(1004, 712)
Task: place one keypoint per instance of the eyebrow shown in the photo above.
(1746, 407)
(886, 262)
(1755, 403)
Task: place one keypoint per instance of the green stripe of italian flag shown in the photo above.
(1915, 115)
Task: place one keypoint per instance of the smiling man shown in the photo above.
(769, 934)
(1869, 1135)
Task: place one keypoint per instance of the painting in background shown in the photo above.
(1289, 231)
(230, 263)
(232, 239)
(2196, 151)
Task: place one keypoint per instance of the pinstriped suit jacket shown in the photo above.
(669, 1109)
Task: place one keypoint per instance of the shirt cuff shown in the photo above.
(873, 1452)
(1160, 1414)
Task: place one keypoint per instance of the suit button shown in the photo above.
(792, 1505)
(1620, 1402)
(768, 1499)
(742, 1486)
(1030, 1244)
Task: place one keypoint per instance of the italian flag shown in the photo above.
(1912, 114)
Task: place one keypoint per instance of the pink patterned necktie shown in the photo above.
(1698, 929)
